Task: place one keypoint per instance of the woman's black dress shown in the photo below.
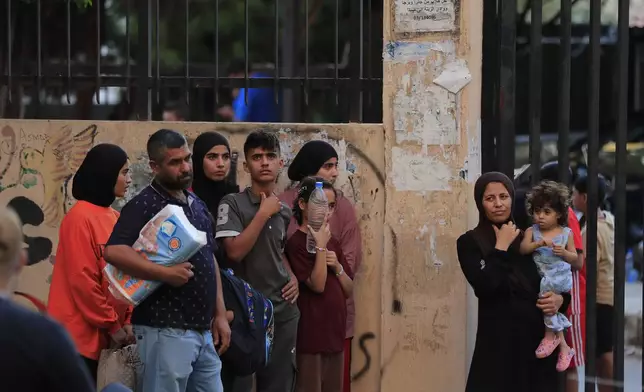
(510, 326)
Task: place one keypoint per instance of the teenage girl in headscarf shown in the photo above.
(318, 158)
(211, 169)
(79, 297)
(510, 316)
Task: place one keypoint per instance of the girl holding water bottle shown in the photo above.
(551, 244)
(325, 283)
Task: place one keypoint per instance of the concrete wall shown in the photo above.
(432, 61)
(38, 160)
(416, 317)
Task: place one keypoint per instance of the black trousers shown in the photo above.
(279, 375)
(92, 367)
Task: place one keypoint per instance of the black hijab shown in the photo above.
(310, 159)
(96, 177)
(486, 237)
(208, 190)
(484, 232)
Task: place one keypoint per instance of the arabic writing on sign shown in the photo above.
(424, 15)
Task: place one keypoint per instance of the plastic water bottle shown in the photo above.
(317, 210)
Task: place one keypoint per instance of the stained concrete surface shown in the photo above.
(632, 375)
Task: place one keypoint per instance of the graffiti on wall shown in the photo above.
(45, 161)
(39, 158)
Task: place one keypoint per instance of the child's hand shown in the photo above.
(332, 261)
(323, 235)
(559, 250)
(541, 243)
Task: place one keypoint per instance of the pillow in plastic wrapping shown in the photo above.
(167, 239)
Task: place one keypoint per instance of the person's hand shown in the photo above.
(291, 291)
(541, 243)
(549, 303)
(230, 316)
(559, 250)
(506, 235)
(321, 236)
(221, 333)
(332, 262)
(129, 331)
(178, 275)
(120, 337)
(270, 205)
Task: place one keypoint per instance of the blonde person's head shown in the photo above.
(11, 247)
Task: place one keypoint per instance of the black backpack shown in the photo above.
(252, 327)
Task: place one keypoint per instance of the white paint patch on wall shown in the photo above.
(435, 261)
(402, 52)
(419, 172)
(423, 112)
(473, 159)
(454, 77)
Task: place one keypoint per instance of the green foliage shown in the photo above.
(204, 22)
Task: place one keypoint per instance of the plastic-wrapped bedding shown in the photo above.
(167, 239)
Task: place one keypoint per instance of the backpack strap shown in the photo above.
(42, 308)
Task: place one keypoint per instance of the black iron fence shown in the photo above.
(499, 133)
(321, 58)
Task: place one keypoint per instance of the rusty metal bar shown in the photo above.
(536, 66)
(563, 142)
(507, 95)
(128, 71)
(620, 193)
(97, 4)
(187, 65)
(69, 51)
(593, 201)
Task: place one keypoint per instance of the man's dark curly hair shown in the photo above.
(550, 194)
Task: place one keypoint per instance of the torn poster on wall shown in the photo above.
(419, 16)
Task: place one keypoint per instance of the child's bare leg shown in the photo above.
(550, 334)
(563, 346)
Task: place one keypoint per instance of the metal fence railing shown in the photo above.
(499, 114)
(320, 57)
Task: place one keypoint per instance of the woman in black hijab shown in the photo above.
(510, 316)
(97, 178)
(211, 168)
(79, 297)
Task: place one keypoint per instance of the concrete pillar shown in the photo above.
(432, 76)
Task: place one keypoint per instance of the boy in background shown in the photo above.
(605, 277)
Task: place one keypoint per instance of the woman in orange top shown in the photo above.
(78, 297)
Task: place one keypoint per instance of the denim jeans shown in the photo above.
(177, 360)
(115, 387)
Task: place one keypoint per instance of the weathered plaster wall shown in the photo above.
(38, 160)
(432, 60)
(413, 315)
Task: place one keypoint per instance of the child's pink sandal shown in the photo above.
(547, 347)
(564, 360)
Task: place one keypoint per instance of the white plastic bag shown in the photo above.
(118, 365)
(167, 239)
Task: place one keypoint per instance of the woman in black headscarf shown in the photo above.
(79, 297)
(211, 167)
(510, 316)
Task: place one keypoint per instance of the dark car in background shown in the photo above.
(578, 155)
